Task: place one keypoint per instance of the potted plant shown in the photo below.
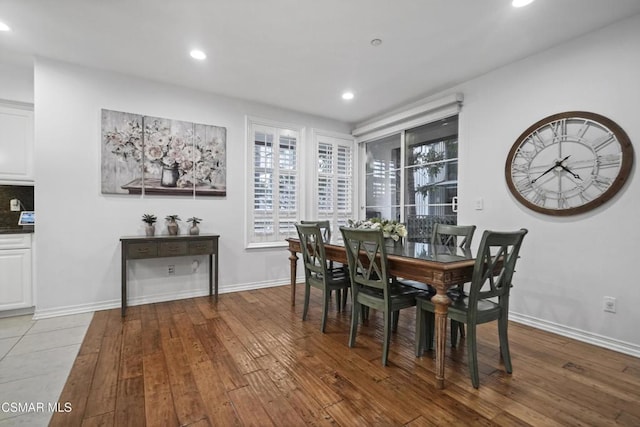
(172, 225)
(150, 220)
(194, 225)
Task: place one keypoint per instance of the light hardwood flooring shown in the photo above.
(249, 360)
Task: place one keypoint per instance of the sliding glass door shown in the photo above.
(412, 177)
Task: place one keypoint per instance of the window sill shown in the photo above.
(268, 245)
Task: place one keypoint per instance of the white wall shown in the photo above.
(79, 228)
(567, 264)
(17, 83)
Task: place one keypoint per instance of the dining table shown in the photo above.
(440, 266)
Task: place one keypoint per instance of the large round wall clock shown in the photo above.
(569, 163)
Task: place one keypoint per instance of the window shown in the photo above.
(335, 180)
(412, 177)
(274, 182)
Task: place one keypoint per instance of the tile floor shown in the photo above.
(35, 359)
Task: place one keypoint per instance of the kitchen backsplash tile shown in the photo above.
(24, 193)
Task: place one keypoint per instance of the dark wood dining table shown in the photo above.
(439, 266)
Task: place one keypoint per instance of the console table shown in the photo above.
(143, 247)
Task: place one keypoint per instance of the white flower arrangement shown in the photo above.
(391, 229)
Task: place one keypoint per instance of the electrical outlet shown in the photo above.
(479, 204)
(171, 269)
(14, 205)
(609, 304)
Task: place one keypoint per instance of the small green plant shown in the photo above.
(149, 219)
(172, 218)
(194, 220)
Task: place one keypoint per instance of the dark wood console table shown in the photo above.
(143, 247)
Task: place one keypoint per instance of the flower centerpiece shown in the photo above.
(172, 225)
(194, 225)
(391, 229)
(150, 220)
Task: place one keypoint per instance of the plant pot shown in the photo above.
(194, 230)
(172, 227)
(150, 230)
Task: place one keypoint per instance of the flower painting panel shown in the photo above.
(122, 151)
(151, 155)
(210, 160)
(168, 156)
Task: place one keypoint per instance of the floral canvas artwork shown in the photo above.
(151, 155)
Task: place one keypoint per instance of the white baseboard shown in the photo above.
(17, 312)
(107, 305)
(577, 334)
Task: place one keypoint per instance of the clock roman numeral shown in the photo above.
(538, 198)
(602, 142)
(524, 186)
(563, 203)
(559, 130)
(583, 130)
(526, 154)
(583, 197)
(537, 141)
(609, 160)
(601, 182)
(520, 169)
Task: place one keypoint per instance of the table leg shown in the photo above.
(441, 301)
(216, 273)
(294, 262)
(123, 279)
(211, 276)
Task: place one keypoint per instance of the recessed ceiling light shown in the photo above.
(198, 54)
(4, 27)
(347, 96)
(521, 3)
(376, 42)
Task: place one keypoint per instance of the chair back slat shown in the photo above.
(495, 264)
(453, 235)
(325, 228)
(313, 252)
(367, 257)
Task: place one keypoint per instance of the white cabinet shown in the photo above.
(16, 143)
(15, 265)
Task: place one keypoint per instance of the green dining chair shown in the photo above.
(316, 270)
(488, 298)
(452, 237)
(337, 269)
(371, 284)
(325, 228)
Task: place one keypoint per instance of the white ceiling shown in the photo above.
(301, 54)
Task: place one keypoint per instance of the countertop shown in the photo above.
(16, 230)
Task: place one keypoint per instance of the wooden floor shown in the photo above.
(249, 360)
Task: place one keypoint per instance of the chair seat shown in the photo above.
(459, 308)
(334, 281)
(418, 285)
(339, 272)
(395, 291)
(453, 293)
(402, 296)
